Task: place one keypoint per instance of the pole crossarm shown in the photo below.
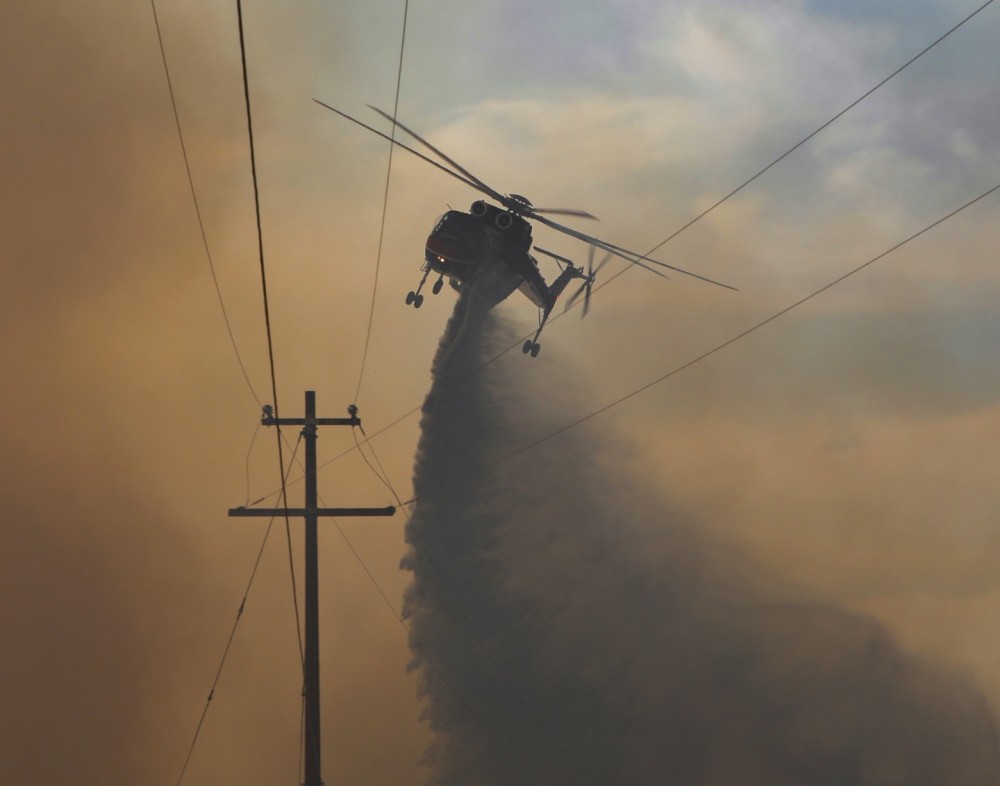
(268, 418)
(271, 421)
(274, 512)
(311, 512)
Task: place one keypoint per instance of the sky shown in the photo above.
(847, 449)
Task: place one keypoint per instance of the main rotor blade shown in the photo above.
(431, 161)
(630, 256)
(480, 184)
(618, 252)
(554, 256)
(562, 211)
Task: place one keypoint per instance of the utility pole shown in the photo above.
(311, 513)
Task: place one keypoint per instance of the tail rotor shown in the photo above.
(588, 282)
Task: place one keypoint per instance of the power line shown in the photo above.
(745, 333)
(622, 399)
(704, 213)
(673, 371)
(776, 161)
(260, 253)
(253, 439)
(383, 475)
(256, 565)
(704, 355)
(719, 347)
(799, 144)
(236, 351)
(698, 217)
(267, 324)
(750, 180)
(229, 644)
(197, 207)
(385, 205)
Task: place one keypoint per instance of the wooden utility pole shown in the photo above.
(311, 513)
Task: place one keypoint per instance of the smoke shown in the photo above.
(567, 627)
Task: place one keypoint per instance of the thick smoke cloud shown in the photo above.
(567, 627)
(115, 605)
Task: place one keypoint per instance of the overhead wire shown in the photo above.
(415, 642)
(385, 207)
(253, 439)
(409, 413)
(197, 206)
(260, 256)
(747, 182)
(754, 328)
(836, 117)
(663, 377)
(762, 171)
(799, 144)
(204, 236)
(226, 649)
(670, 373)
(256, 397)
(233, 342)
(383, 476)
(267, 323)
(295, 591)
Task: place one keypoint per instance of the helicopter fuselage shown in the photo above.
(461, 244)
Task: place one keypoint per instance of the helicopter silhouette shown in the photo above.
(462, 245)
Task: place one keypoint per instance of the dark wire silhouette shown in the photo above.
(197, 207)
(559, 431)
(708, 210)
(267, 319)
(672, 372)
(745, 333)
(229, 644)
(385, 206)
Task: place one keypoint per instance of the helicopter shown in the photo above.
(464, 244)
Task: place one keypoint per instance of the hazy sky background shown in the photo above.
(850, 447)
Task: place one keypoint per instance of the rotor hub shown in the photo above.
(519, 204)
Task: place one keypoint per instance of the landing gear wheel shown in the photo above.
(526, 348)
(418, 301)
(437, 286)
(410, 297)
(535, 349)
